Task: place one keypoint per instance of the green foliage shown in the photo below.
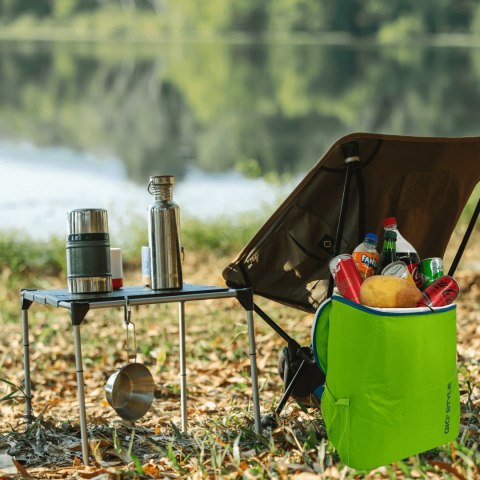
(250, 168)
(21, 256)
(208, 18)
(27, 260)
(405, 27)
(475, 28)
(14, 389)
(297, 16)
(224, 236)
(12, 9)
(64, 8)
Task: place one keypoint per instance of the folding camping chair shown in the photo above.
(363, 178)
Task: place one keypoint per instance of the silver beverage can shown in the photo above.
(146, 265)
(398, 269)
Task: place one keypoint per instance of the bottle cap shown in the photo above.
(390, 235)
(389, 222)
(371, 238)
(161, 185)
(162, 180)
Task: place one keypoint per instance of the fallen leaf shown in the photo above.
(447, 467)
(21, 469)
(306, 476)
(152, 470)
(453, 450)
(91, 474)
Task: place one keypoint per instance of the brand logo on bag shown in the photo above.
(447, 409)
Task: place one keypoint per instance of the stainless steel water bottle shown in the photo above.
(164, 235)
(88, 251)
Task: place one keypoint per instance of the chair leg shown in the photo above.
(270, 419)
(289, 389)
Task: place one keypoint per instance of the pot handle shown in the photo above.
(127, 313)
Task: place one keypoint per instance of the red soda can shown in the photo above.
(346, 276)
(443, 291)
(414, 269)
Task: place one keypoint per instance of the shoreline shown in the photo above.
(67, 34)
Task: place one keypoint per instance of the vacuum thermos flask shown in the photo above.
(164, 235)
(88, 251)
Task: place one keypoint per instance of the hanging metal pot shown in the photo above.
(130, 390)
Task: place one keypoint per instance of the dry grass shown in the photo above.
(221, 442)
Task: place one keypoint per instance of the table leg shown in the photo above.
(26, 367)
(81, 392)
(253, 370)
(183, 365)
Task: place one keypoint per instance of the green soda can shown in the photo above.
(430, 270)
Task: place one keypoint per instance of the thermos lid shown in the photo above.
(158, 180)
(87, 220)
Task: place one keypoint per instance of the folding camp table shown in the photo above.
(80, 304)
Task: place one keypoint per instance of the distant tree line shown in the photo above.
(364, 18)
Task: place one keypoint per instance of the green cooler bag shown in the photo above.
(391, 389)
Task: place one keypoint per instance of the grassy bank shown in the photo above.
(22, 257)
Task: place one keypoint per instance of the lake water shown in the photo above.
(41, 184)
(238, 125)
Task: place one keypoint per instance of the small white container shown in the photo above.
(117, 267)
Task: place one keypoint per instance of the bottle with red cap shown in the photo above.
(405, 251)
(389, 249)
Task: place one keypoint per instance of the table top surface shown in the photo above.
(54, 297)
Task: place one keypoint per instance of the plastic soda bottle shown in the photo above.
(405, 251)
(366, 256)
(389, 251)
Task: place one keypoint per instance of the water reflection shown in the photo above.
(118, 114)
(219, 107)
